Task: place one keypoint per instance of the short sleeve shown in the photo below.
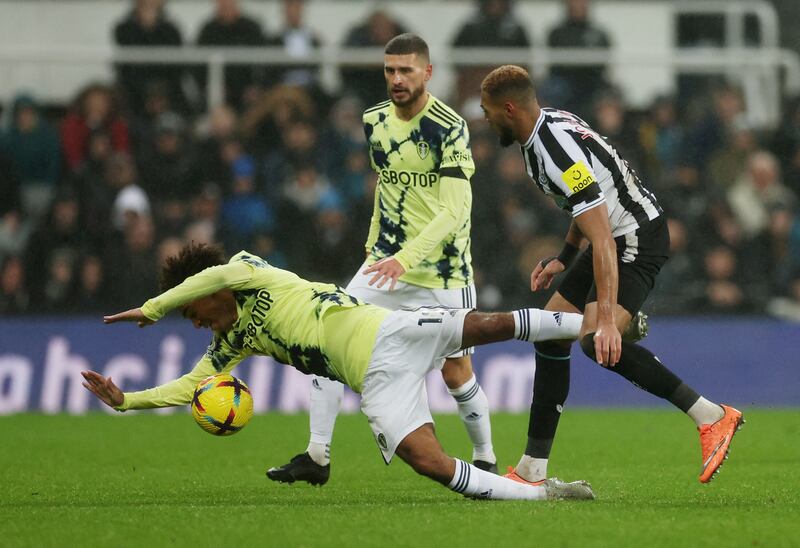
(569, 170)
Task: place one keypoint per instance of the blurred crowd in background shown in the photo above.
(97, 193)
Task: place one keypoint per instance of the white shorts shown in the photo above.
(408, 296)
(410, 343)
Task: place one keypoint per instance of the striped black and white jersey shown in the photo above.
(572, 163)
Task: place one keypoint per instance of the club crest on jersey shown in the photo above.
(423, 149)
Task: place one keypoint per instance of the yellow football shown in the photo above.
(222, 404)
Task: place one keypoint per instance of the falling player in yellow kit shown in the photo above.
(255, 308)
(418, 248)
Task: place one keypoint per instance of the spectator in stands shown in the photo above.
(58, 292)
(685, 195)
(758, 191)
(60, 232)
(94, 109)
(723, 293)
(728, 162)
(205, 207)
(245, 213)
(131, 201)
(710, 133)
(299, 41)
(229, 27)
(91, 295)
(678, 285)
(89, 182)
(147, 25)
(131, 264)
(304, 193)
(335, 254)
(352, 179)
(345, 136)
(485, 196)
(492, 26)
(611, 120)
(143, 131)
(13, 293)
(660, 136)
(578, 32)
(787, 306)
(365, 82)
(264, 123)
(166, 169)
(782, 257)
(786, 146)
(219, 127)
(300, 148)
(33, 145)
(15, 227)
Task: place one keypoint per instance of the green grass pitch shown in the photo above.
(153, 480)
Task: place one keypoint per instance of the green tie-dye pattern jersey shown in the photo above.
(314, 327)
(411, 158)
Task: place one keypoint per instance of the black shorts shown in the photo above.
(640, 256)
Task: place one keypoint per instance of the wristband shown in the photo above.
(568, 254)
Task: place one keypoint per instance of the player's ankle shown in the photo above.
(319, 452)
(486, 454)
(531, 468)
(704, 411)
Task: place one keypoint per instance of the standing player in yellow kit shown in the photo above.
(418, 248)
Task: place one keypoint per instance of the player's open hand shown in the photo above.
(104, 388)
(542, 276)
(607, 344)
(386, 270)
(132, 315)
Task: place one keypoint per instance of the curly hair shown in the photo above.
(193, 258)
(508, 80)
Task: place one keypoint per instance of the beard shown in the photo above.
(413, 95)
(506, 136)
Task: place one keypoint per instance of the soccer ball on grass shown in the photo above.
(222, 405)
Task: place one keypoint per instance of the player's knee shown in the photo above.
(587, 345)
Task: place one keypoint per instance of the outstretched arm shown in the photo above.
(234, 275)
(132, 315)
(177, 392)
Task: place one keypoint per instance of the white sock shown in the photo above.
(474, 482)
(532, 468)
(473, 408)
(326, 399)
(319, 452)
(705, 412)
(533, 324)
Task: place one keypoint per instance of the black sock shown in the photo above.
(550, 389)
(643, 369)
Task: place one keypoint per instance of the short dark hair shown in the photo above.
(193, 258)
(407, 43)
(508, 80)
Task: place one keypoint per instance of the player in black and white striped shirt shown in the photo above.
(609, 282)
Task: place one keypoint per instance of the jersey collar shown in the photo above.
(536, 127)
(418, 115)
